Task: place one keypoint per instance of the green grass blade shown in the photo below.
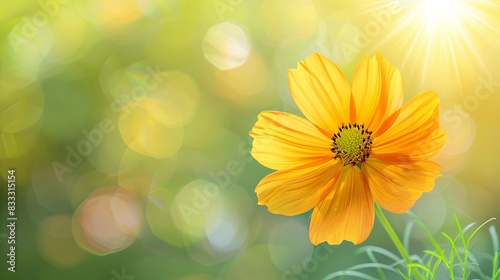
(475, 266)
(378, 250)
(495, 266)
(424, 268)
(466, 247)
(436, 255)
(403, 275)
(460, 230)
(426, 232)
(461, 234)
(453, 250)
(477, 229)
(467, 227)
(494, 238)
(406, 235)
(357, 274)
(372, 265)
(436, 266)
(372, 258)
(395, 239)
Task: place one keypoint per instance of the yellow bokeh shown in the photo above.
(143, 133)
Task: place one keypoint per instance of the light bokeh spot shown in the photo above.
(226, 46)
(56, 243)
(143, 133)
(110, 14)
(107, 222)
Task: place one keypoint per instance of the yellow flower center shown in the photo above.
(352, 144)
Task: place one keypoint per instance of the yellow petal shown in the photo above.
(366, 87)
(391, 96)
(292, 192)
(415, 135)
(321, 92)
(284, 141)
(397, 187)
(347, 213)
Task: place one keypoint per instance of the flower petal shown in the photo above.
(397, 187)
(321, 92)
(292, 192)
(391, 96)
(347, 213)
(366, 88)
(284, 141)
(415, 135)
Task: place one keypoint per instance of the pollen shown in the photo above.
(352, 144)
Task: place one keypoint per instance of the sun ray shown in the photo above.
(448, 32)
(454, 60)
(426, 62)
(472, 49)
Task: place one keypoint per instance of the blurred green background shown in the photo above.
(127, 124)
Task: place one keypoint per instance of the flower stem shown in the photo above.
(395, 239)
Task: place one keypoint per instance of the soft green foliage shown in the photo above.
(450, 259)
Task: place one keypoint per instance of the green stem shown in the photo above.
(395, 239)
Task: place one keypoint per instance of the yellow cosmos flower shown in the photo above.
(357, 145)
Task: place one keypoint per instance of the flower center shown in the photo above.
(352, 144)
